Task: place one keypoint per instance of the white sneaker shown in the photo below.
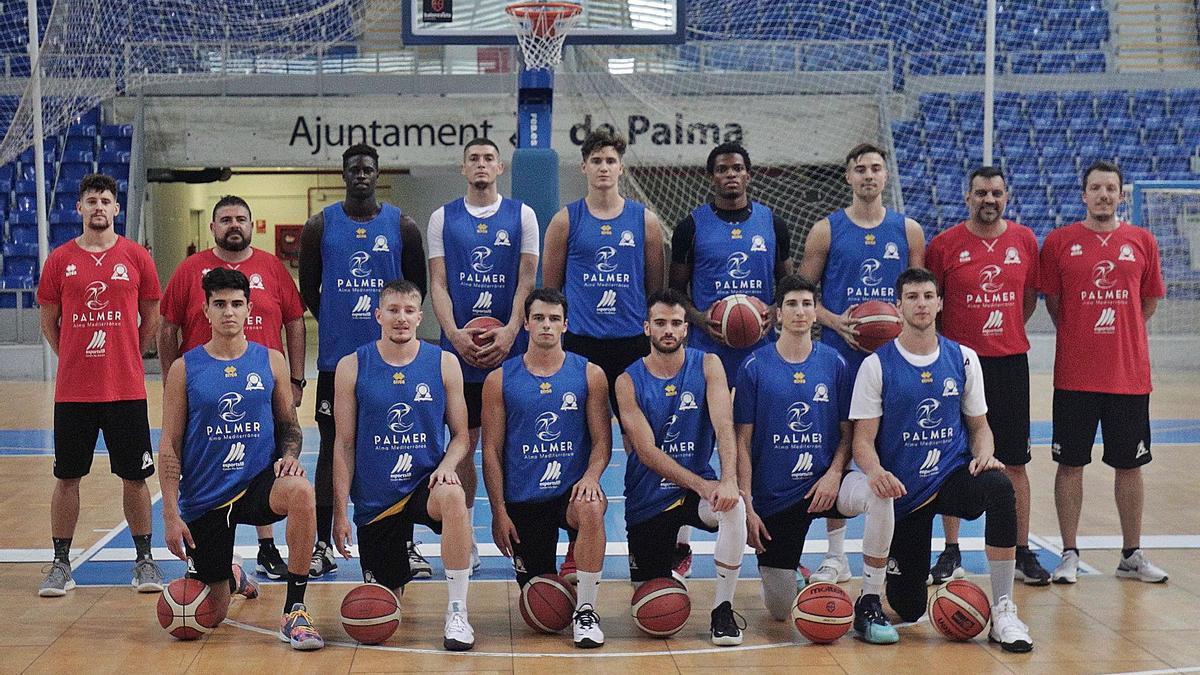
(1007, 629)
(459, 636)
(586, 628)
(417, 564)
(1067, 571)
(476, 563)
(1137, 566)
(834, 569)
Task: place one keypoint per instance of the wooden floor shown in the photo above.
(1101, 624)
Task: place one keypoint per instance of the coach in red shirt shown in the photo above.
(93, 290)
(1102, 282)
(987, 268)
(275, 307)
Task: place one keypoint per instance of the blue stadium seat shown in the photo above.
(1056, 62)
(1149, 104)
(20, 266)
(1090, 62)
(1165, 136)
(1174, 168)
(90, 117)
(1042, 105)
(77, 157)
(125, 143)
(1185, 102)
(1078, 104)
(1061, 161)
(1023, 63)
(1056, 136)
(117, 171)
(69, 177)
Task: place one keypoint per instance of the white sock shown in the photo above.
(684, 538)
(730, 546)
(873, 578)
(587, 588)
(457, 582)
(837, 541)
(1002, 577)
(779, 591)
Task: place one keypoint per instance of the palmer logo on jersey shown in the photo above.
(929, 428)
(399, 434)
(991, 289)
(359, 269)
(550, 443)
(232, 422)
(737, 275)
(481, 273)
(671, 443)
(98, 313)
(870, 282)
(799, 428)
(1105, 282)
(607, 266)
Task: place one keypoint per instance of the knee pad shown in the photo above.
(779, 591)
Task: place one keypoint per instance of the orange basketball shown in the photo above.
(661, 607)
(186, 610)
(547, 603)
(823, 612)
(370, 613)
(878, 324)
(486, 323)
(960, 610)
(739, 319)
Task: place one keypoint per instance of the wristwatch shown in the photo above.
(301, 382)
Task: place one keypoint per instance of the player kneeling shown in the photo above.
(793, 436)
(394, 398)
(227, 413)
(546, 441)
(675, 399)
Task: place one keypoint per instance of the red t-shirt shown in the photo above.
(274, 299)
(99, 356)
(1100, 279)
(983, 284)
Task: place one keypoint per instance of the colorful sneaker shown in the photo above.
(568, 569)
(682, 569)
(948, 566)
(58, 580)
(242, 584)
(1137, 566)
(1007, 629)
(417, 564)
(834, 569)
(1067, 571)
(270, 564)
(871, 624)
(297, 628)
(1029, 569)
(147, 576)
(458, 635)
(585, 626)
(805, 573)
(724, 626)
(322, 562)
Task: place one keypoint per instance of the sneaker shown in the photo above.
(417, 564)
(243, 585)
(1007, 629)
(476, 562)
(1029, 569)
(270, 564)
(459, 636)
(724, 626)
(297, 628)
(568, 569)
(948, 566)
(1067, 571)
(586, 627)
(682, 568)
(58, 580)
(322, 562)
(871, 624)
(147, 576)
(1137, 566)
(834, 569)
(805, 573)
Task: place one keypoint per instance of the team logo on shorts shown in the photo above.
(891, 251)
(254, 382)
(869, 272)
(949, 387)
(422, 393)
(796, 417)
(256, 281)
(518, 564)
(1126, 254)
(359, 264)
(227, 407)
(1011, 256)
(893, 567)
(604, 259)
(544, 424)
(395, 418)
(381, 244)
(988, 279)
(147, 460)
(324, 408)
(1100, 274)
(92, 294)
(687, 401)
(734, 266)
(72, 270)
(479, 259)
(569, 402)
(1142, 450)
(758, 243)
(821, 394)
(627, 238)
(925, 412)
(120, 272)
(502, 239)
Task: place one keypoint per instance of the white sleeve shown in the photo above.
(530, 234)
(973, 402)
(433, 233)
(867, 401)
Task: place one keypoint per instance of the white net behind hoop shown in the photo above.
(541, 29)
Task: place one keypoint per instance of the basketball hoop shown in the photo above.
(541, 29)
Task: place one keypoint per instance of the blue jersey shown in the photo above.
(863, 264)
(797, 410)
(921, 438)
(230, 435)
(731, 258)
(677, 410)
(399, 438)
(605, 279)
(357, 259)
(546, 440)
(483, 261)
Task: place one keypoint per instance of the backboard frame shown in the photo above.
(411, 11)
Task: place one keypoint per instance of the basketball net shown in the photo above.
(541, 29)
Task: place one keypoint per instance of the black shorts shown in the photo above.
(788, 530)
(1006, 388)
(383, 544)
(613, 355)
(652, 542)
(126, 433)
(537, 525)
(473, 394)
(1124, 420)
(212, 558)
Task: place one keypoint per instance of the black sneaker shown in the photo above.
(947, 567)
(270, 563)
(871, 624)
(725, 628)
(1029, 569)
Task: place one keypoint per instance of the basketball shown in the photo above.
(370, 613)
(486, 323)
(878, 323)
(960, 610)
(186, 611)
(739, 318)
(660, 607)
(823, 612)
(547, 603)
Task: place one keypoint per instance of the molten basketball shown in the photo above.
(823, 612)
(548, 603)
(878, 324)
(486, 323)
(660, 607)
(370, 613)
(739, 319)
(959, 610)
(185, 609)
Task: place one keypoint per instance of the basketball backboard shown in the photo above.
(483, 22)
